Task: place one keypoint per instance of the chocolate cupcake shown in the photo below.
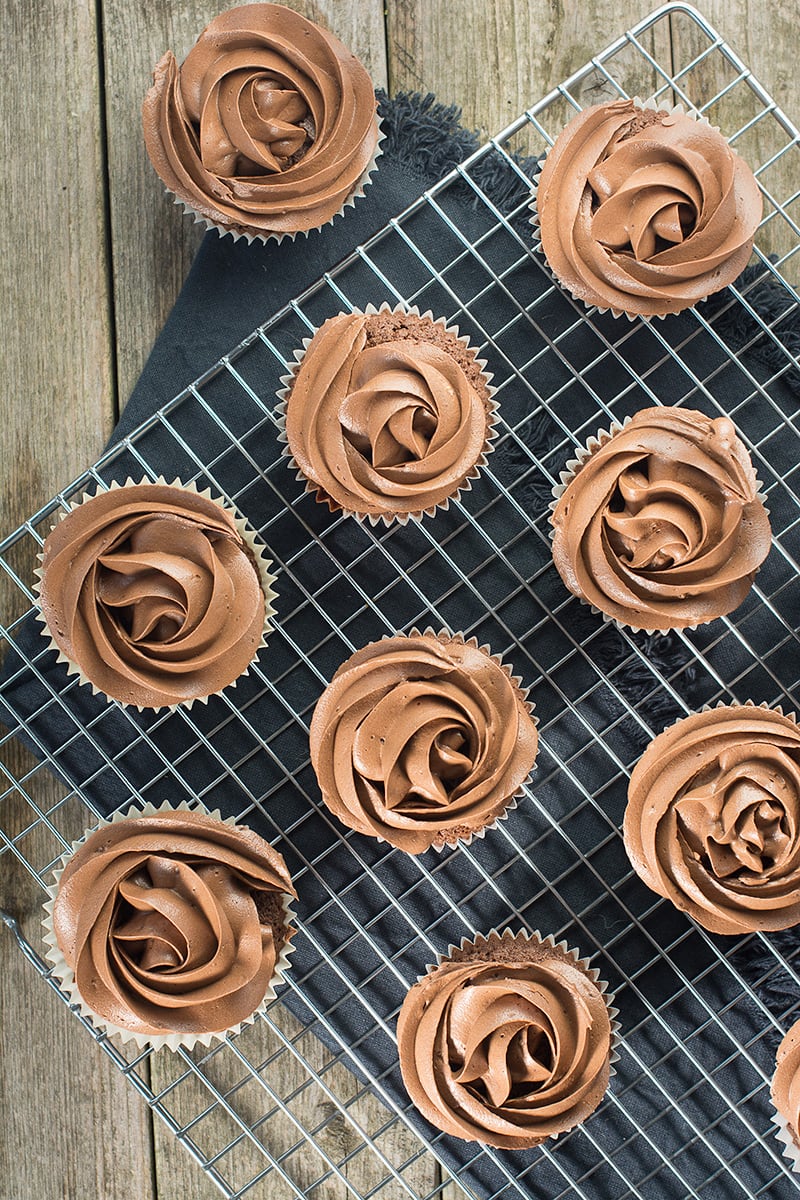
(155, 593)
(267, 129)
(643, 209)
(659, 523)
(170, 926)
(507, 1041)
(713, 818)
(387, 414)
(422, 740)
(785, 1095)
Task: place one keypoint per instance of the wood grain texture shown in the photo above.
(76, 341)
(56, 377)
(52, 254)
(509, 52)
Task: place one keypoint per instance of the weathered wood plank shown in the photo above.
(57, 403)
(508, 53)
(56, 359)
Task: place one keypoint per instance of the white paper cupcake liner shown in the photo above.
(572, 468)
(787, 1065)
(390, 518)
(783, 1132)
(364, 180)
(481, 942)
(712, 706)
(654, 106)
(66, 977)
(261, 563)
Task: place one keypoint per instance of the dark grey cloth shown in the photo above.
(351, 928)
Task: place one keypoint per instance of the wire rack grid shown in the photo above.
(307, 1101)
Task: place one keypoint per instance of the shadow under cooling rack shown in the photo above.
(688, 1111)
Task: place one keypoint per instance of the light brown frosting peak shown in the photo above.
(172, 923)
(645, 211)
(383, 417)
(153, 593)
(662, 526)
(713, 818)
(421, 740)
(268, 125)
(785, 1087)
(507, 1045)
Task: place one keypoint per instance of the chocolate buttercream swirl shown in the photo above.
(507, 1048)
(421, 740)
(662, 526)
(268, 126)
(391, 427)
(172, 923)
(645, 211)
(785, 1086)
(713, 818)
(153, 593)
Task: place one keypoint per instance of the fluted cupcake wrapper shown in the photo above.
(572, 468)
(655, 106)
(261, 563)
(251, 235)
(389, 518)
(712, 706)
(66, 977)
(783, 1132)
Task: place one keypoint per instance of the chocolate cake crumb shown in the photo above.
(645, 117)
(269, 906)
(508, 950)
(447, 836)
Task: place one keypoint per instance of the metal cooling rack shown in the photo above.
(687, 1114)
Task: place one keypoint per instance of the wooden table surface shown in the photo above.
(92, 254)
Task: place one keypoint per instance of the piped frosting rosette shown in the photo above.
(508, 1040)
(267, 129)
(154, 593)
(785, 1095)
(169, 926)
(644, 209)
(659, 523)
(422, 740)
(713, 818)
(387, 413)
